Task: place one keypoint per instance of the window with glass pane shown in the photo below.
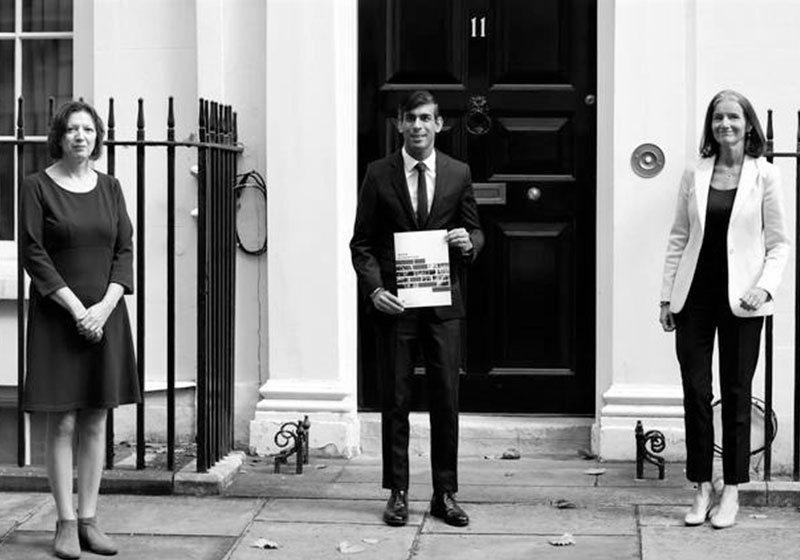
(37, 38)
(7, 15)
(46, 72)
(6, 191)
(47, 15)
(6, 88)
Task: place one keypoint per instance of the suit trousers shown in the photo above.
(439, 340)
(739, 340)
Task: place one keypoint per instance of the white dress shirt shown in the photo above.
(412, 176)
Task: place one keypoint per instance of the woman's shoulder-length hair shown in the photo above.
(755, 143)
(58, 128)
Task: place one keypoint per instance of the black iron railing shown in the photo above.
(768, 334)
(217, 150)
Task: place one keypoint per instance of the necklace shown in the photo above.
(732, 171)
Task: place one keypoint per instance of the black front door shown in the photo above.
(515, 80)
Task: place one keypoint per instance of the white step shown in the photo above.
(490, 435)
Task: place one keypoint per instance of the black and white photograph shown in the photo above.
(395, 279)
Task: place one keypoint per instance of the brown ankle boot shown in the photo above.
(93, 539)
(65, 544)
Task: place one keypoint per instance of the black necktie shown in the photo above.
(422, 195)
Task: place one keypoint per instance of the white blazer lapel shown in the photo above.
(702, 182)
(747, 182)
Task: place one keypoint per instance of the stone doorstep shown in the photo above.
(125, 479)
(213, 482)
(482, 434)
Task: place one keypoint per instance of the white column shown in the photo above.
(311, 74)
(646, 91)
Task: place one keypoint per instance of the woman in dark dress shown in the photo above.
(77, 249)
(726, 253)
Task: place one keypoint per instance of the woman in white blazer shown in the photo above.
(726, 253)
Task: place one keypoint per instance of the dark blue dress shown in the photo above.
(83, 241)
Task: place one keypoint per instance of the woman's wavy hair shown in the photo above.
(58, 128)
(754, 141)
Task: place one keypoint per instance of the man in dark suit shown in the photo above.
(416, 188)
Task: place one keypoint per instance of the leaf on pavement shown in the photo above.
(594, 472)
(265, 544)
(562, 504)
(564, 540)
(346, 547)
(510, 453)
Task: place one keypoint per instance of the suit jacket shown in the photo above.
(384, 207)
(758, 245)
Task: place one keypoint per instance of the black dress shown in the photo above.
(83, 241)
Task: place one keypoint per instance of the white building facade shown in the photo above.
(290, 69)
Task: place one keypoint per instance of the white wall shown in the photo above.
(231, 64)
(311, 79)
(668, 59)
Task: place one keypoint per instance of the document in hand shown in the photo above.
(423, 268)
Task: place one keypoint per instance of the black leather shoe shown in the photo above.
(445, 507)
(396, 512)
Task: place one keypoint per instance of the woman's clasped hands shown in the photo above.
(90, 324)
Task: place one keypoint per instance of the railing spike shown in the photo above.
(770, 134)
(798, 131)
(223, 109)
(770, 142)
(171, 113)
(140, 115)
(20, 118)
(111, 120)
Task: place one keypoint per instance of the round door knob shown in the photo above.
(534, 194)
(590, 100)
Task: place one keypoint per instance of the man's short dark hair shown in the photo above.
(58, 128)
(417, 99)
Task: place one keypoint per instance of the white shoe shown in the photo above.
(725, 516)
(698, 513)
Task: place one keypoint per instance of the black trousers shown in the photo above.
(739, 341)
(398, 338)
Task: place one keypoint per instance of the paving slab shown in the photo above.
(475, 493)
(361, 512)
(163, 515)
(783, 493)
(748, 518)
(544, 472)
(526, 472)
(256, 477)
(580, 495)
(115, 481)
(17, 507)
(311, 541)
(515, 547)
(34, 545)
(741, 542)
(319, 469)
(525, 519)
